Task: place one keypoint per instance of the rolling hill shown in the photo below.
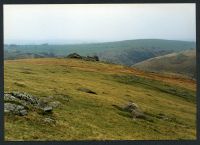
(167, 101)
(178, 63)
(126, 52)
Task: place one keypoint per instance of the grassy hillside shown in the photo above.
(126, 52)
(84, 116)
(181, 63)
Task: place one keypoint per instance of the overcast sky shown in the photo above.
(103, 22)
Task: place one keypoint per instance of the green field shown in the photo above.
(85, 116)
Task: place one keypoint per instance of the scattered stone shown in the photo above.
(134, 110)
(9, 97)
(18, 103)
(42, 103)
(49, 120)
(47, 109)
(8, 107)
(131, 106)
(87, 90)
(26, 97)
(15, 109)
(23, 112)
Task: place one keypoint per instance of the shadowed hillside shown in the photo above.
(180, 63)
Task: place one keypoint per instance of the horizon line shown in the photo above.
(56, 41)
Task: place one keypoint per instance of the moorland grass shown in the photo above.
(84, 116)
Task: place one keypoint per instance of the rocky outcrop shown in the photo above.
(91, 58)
(74, 55)
(18, 103)
(87, 58)
(15, 109)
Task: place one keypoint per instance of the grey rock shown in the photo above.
(9, 97)
(47, 109)
(16, 102)
(23, 112)
(42, 103)
(26, 97)
(134, 109)
(49, 120)
(15, 109)
(131, 106)
(8, 107)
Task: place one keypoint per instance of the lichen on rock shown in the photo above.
(18, 103)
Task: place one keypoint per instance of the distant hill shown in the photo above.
(181, 63)
(134, 51)
(126, 52)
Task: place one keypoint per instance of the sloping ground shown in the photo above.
(94, 116)
(180, 63)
